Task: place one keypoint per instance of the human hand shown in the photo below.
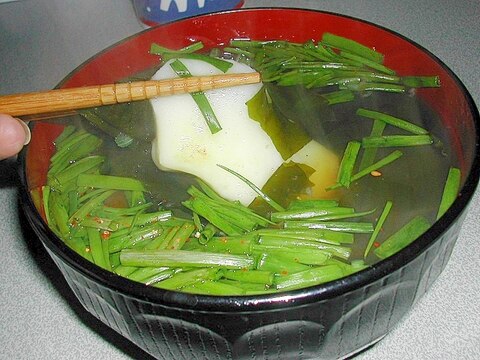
(14, 134)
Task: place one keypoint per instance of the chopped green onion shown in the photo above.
(181, 236)
(141, 235)
(450, 190)
(157, 49)
(264, 196)
(73, 153)
(378, 165)
(46, 203)
(396, 140)
(280, 264)
(311, 204)
(207, 233)
(240, 245)
(97, 249)
(125, 270)
(251, 276)
(335, 60)
(321, 235)
(212, 287)
(369, 154)
(59, 214)
(63, 148)
(186, 278)
(403, 237)
(340, 216)
(160, 276)
(77, 168)
(109, 182)
(351, 227)
(199, 98)
(142, 274)
(391, 120)
(67, 131)
(378, 227)
(268, 243)
(308, 214)
(338, 97)
(371, 86)
(307, 256)
(201, 208)
(351, 46)
(162, 240)
(184, 258)
(233, 218)
(367, 62)
(91, 204)
(347, 163)
(421, 81)
(98, 223)
(374, 167)
(310, 277)
(220, 64)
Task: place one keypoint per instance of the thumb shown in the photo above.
(14, 133)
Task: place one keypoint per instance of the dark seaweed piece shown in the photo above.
(305, 108)
(136, 120)
(287, 136)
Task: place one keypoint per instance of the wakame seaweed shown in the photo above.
(126, 122)
(287, 136)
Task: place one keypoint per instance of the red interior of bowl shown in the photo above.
(132, 56)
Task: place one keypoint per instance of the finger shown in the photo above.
(14, 134)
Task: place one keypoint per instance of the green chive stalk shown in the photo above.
(310, 277)
(450, 190)
(378, 227)
(403, 237)
(184, 258)
(347, 163)
(391, 120)
(199, 98)
(396, 140)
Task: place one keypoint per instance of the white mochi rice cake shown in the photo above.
(184, 142)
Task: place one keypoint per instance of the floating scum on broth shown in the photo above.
(329, 158)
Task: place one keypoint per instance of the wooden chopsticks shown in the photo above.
(52, 101)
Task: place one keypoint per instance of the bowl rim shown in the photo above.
(256, 303)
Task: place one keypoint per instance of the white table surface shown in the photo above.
(43, 40)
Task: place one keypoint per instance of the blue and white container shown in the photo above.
(154, 12)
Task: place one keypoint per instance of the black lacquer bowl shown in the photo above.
(329, 321)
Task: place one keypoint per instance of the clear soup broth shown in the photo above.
(274, 254)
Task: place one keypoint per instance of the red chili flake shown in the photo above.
(74, 223)
(105, 234)
(284, 272)
(376, 244)
(98, 220)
